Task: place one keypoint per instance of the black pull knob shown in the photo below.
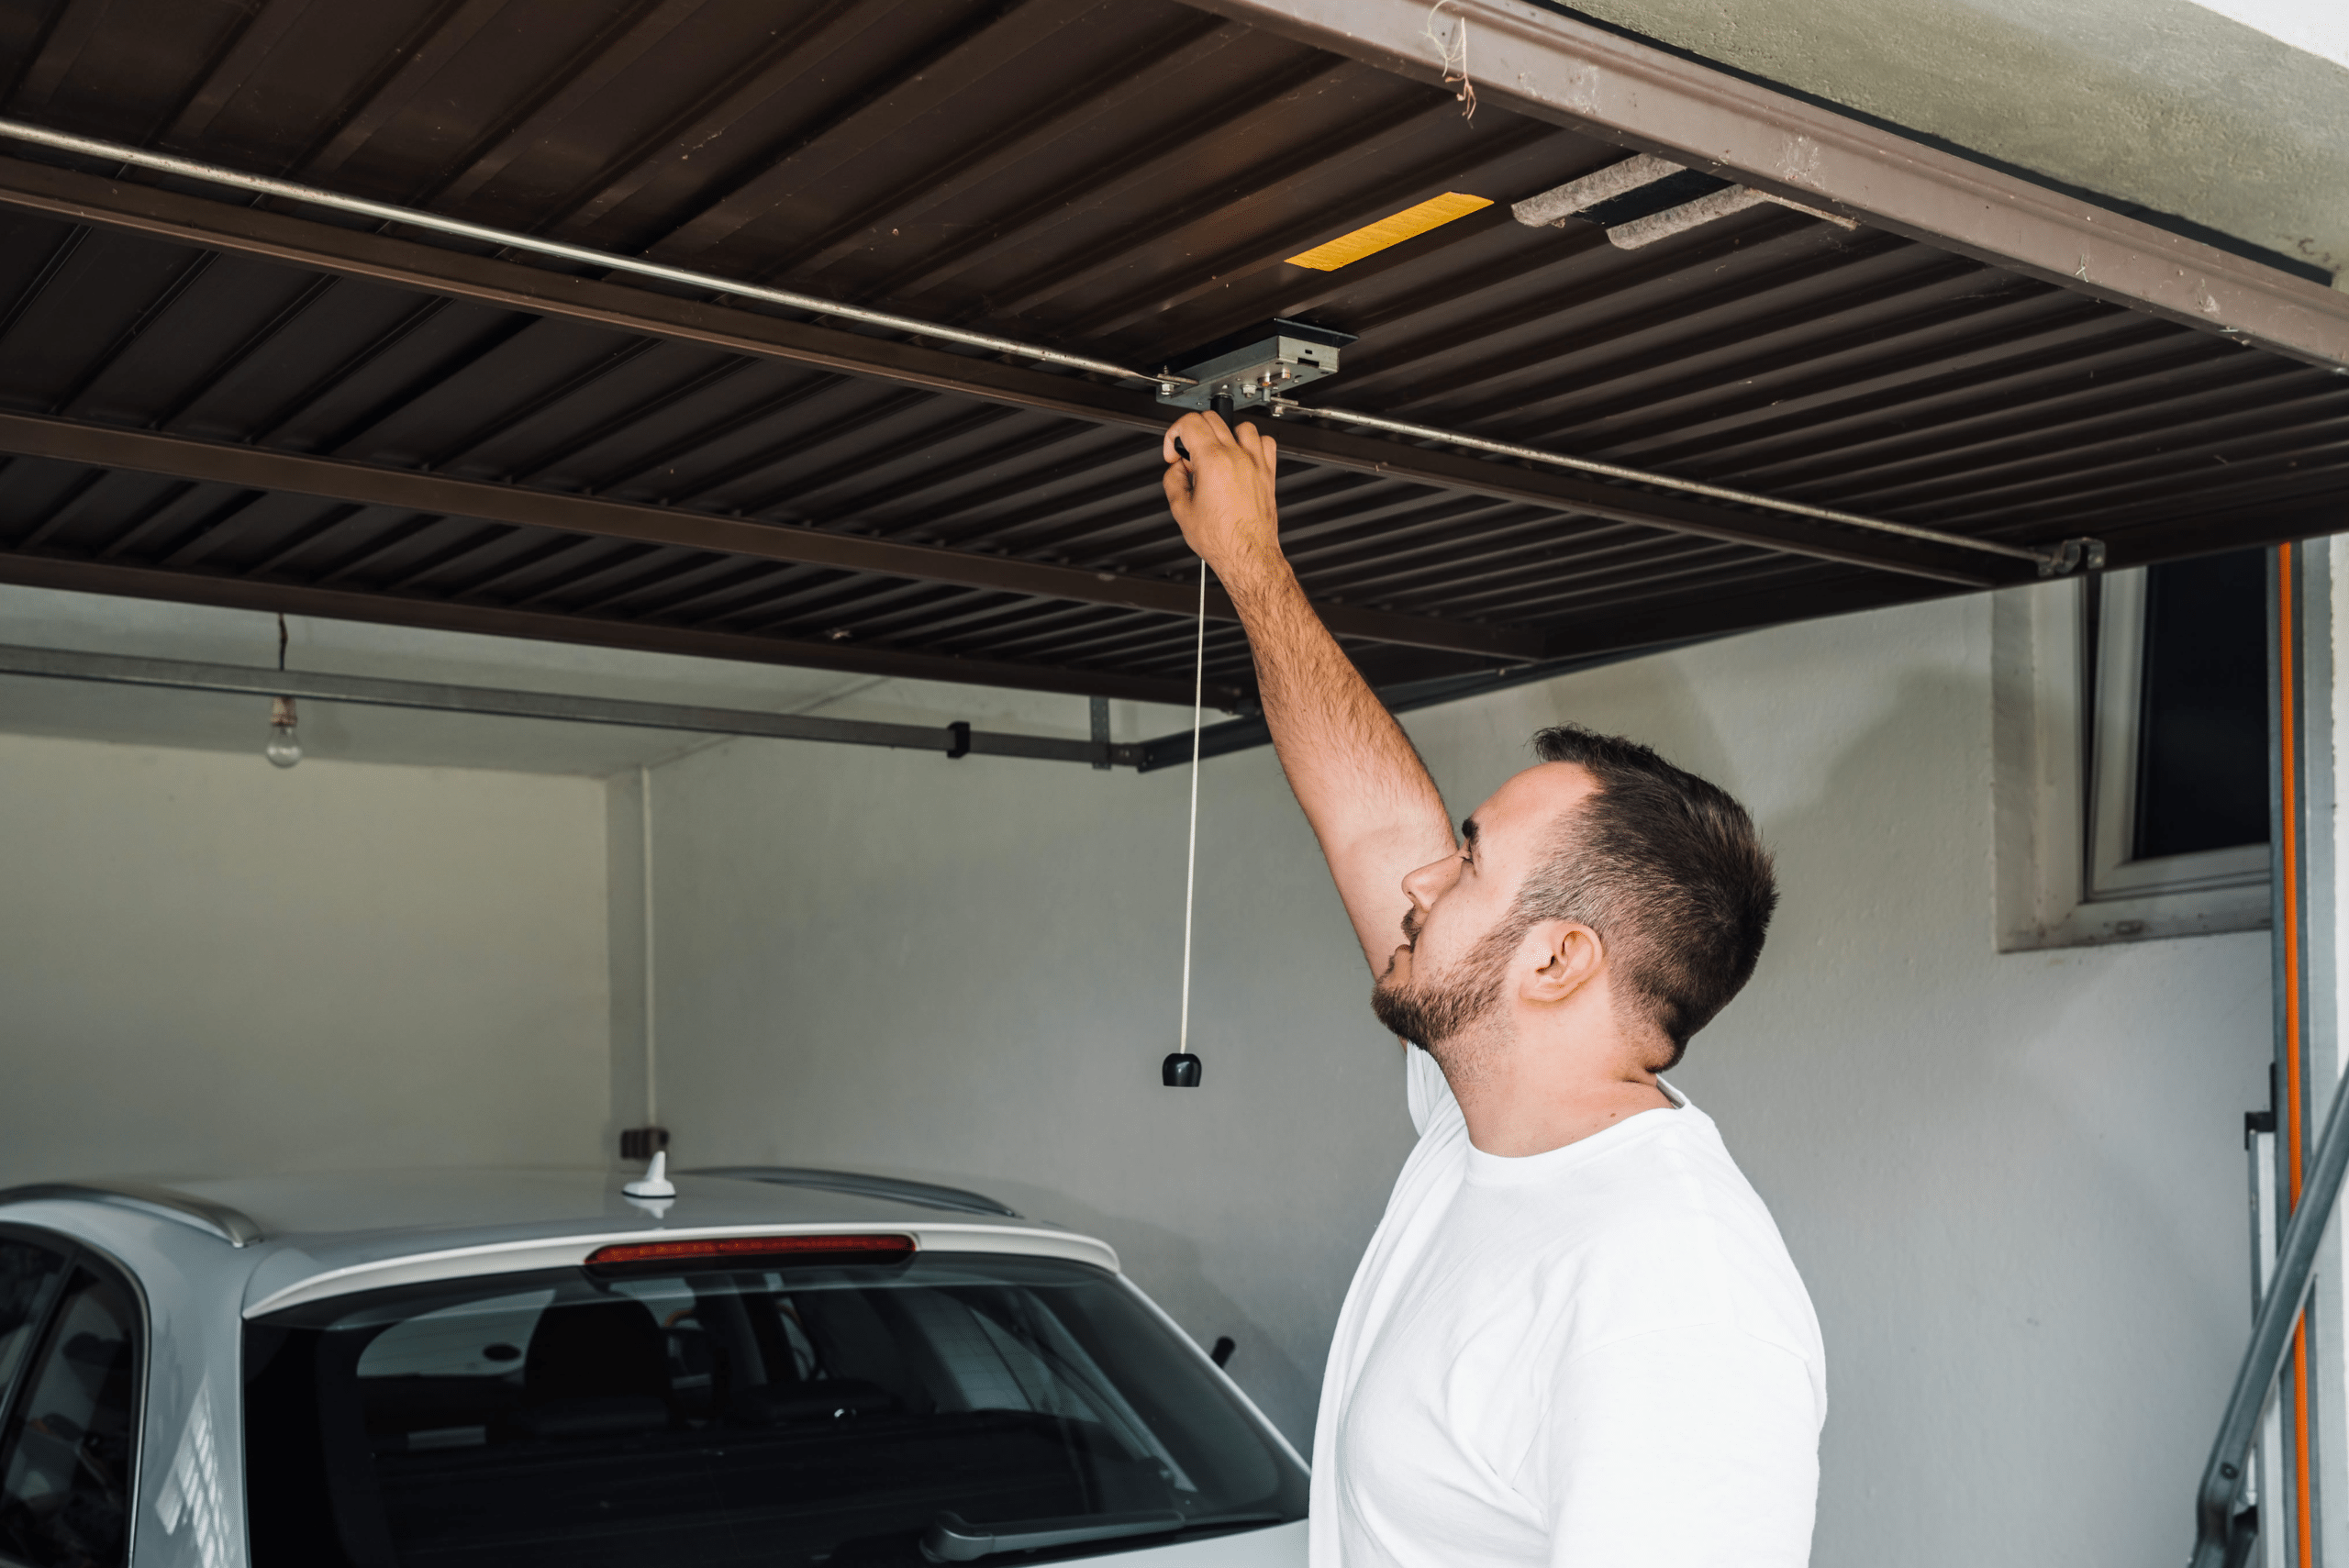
(1179, 1070)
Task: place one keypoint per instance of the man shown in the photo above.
(1577, 1338)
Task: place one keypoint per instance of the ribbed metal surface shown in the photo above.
(1115, 178)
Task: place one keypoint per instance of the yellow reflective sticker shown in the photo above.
(1371, 239)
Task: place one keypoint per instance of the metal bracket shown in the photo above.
(1271, 361)
(2073, 555)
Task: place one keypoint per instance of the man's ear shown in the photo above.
(1565, 955)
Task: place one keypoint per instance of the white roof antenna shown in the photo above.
(655, 1183)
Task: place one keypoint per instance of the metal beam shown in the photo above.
(384, 257)
(1554, 68)
(2206, 533)
(649, 637)
(338, 479)
(1667, 620)
(177, 674)
(1466, 475)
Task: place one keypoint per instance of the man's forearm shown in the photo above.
(1364, 789)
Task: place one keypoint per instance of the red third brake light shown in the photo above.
(754, 1250)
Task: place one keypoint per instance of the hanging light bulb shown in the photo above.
(284, 749)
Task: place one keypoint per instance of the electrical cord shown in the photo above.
(1181, 1070)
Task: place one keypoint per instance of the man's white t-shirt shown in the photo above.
(1596, 1357)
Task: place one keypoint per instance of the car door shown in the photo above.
(72, 1349)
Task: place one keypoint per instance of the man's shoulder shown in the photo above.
(1669, 1233)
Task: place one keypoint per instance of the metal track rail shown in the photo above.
(2051, 560)
(312, 195)
(954, 739)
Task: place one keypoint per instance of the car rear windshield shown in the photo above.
(953, 1407)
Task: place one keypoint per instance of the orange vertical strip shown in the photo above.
(2300, 1440)
(2288, 753)
(2288, 857)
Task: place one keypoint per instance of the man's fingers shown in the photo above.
(1175, 448)
(1198, 432)
(1259, 445)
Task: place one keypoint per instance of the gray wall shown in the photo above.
(208, 965)
(2013, 1182)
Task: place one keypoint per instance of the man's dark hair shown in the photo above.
(1669, 871)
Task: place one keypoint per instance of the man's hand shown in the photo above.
(1222, 495)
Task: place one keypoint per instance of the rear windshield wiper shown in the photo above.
(953, 1538)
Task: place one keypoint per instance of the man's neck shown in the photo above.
(1517, 1102)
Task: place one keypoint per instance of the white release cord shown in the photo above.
(1191, 870)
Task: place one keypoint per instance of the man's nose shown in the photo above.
(1425, 884)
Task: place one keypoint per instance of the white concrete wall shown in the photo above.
(208, 965)
(2013, 1182)
(2232, 114)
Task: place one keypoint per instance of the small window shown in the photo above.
(2179, 802)
(65, 1463)
(2202, 709)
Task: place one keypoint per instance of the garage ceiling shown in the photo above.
(256, 404)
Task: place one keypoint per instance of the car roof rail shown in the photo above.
(927, 1194)
(231, 1225)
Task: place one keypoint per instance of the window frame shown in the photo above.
(80, 1253)
(2067, 660)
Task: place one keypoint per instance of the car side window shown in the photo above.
(28, 1278)
(66, 1457)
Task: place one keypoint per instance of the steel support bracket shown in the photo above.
(2073, 555)
(1270, 361)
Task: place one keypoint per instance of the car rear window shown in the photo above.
(954, 1406)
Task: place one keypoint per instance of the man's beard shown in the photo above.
(1446, 1013)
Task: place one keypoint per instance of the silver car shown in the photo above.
(513, 1368)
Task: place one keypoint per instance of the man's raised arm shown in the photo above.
(1364, 789)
